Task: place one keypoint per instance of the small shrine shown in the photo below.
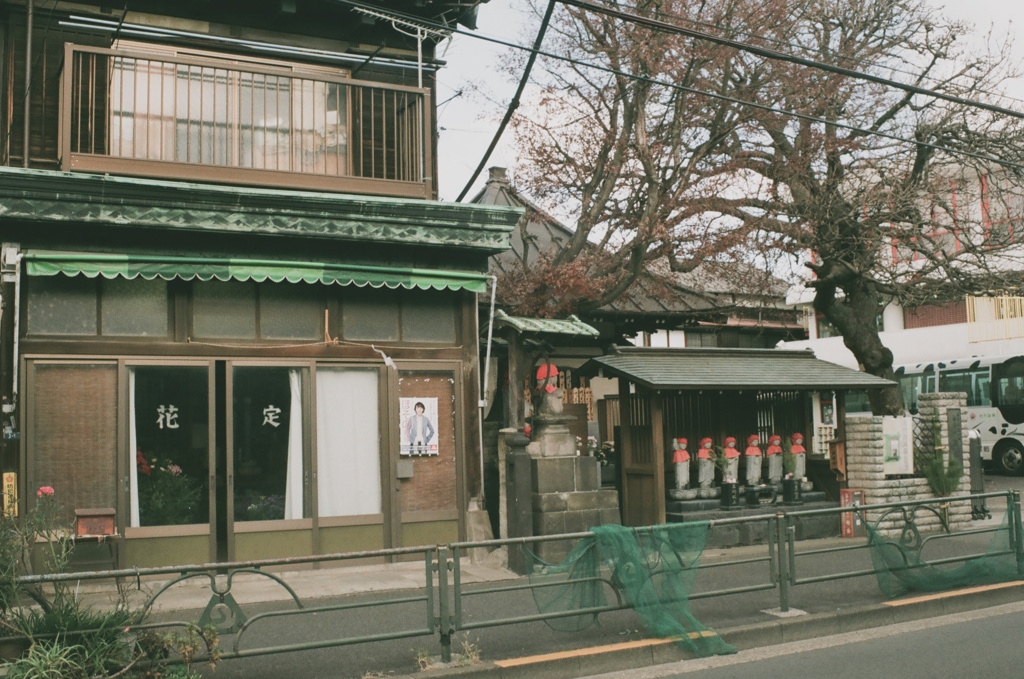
(748, 412)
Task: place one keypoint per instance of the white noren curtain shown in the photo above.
(348, 442)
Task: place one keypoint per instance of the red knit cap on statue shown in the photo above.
(545, 371)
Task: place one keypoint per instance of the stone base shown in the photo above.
(551, 437)
(567, 498)
(755, 532)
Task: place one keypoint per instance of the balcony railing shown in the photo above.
(222, 121)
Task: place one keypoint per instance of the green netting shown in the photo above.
(652, 570)
(900, 568)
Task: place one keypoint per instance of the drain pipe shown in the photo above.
(28, 86)
(17, 330)
(12, 257)
(482, 403)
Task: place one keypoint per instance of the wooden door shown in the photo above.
(643, 466)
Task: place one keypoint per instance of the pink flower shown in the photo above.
(44, 490)
(174, 469)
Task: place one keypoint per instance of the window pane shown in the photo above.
(348, 453)
(58, 305)
(369, 314)
(428, 317)
(135, 307)
(291, 311)
(169, 436)
(224, 309)
(268, 446)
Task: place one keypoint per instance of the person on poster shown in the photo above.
(419, 431)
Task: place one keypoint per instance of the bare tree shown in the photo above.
(651, 170)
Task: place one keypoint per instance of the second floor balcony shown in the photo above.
(203, 118)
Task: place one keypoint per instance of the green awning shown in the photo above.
(206, 269)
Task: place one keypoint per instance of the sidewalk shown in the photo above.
(522, 650)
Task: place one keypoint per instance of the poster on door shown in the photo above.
(418, 418)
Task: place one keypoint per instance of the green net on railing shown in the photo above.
(653, 570)
(900, 568)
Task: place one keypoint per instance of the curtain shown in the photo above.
(294, 473)
(133, 447)
(348, 448)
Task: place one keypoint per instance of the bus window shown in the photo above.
(1009, 383)
(1010, 391)
(972, 382)
(982, 381)
(857, 401)
(910, 387)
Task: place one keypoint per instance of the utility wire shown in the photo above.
(780, 56)
(777, 41)
(713, 95)
(514, 104)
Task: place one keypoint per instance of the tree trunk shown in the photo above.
(855, 316)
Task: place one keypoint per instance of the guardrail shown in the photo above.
(781, 564)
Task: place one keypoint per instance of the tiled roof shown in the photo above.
(761, 369)
(568, 326)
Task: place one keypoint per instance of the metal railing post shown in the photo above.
(444, 620)
(1014, 528)
(456, 588)
(782, 526)
(428, 561)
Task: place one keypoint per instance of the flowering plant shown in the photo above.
(41, 541)
(588, 447)
(606, 454)
(167, 496)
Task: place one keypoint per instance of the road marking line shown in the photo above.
(959, 592)
(624, 646)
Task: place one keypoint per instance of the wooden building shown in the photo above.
(227, 287)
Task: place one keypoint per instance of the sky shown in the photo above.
(473, 91)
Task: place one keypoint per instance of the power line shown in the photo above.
(780, 56)
(714, 95)
(514, 104)
(777, 41)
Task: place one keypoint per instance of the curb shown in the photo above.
(651, 652)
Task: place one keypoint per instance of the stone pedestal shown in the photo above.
(551, 436)
(567, 494)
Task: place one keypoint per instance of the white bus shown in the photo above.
(995, 401)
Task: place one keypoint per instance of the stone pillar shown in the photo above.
(567, 494)
(865, 455)
(518, 479)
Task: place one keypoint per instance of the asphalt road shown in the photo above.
(982, 644)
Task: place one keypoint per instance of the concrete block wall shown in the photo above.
(865, 468)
